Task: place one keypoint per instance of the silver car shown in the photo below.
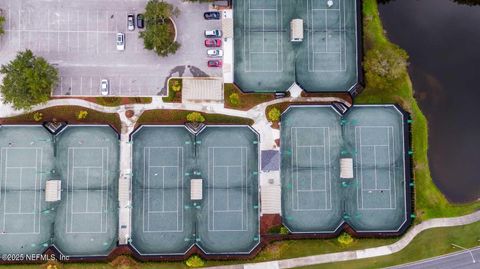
(120, 41)
(104, 87)
(131, 22)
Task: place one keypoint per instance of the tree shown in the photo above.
(385, 66)
(195, 117)
(28, 81)
(274, 114)
(159, 33)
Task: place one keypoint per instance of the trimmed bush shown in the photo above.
(195, 261)
(345, 239)
(82, 114)
(195, 117)
(37, 116)
(274, 114)
(234, 99)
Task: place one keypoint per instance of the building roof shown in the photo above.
(202, 90)
(270, 160)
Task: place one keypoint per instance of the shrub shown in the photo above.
(2, 22)
(82, 114)
(345, 239)
(195, 117)
(37, 116)
(274, 114)
(234, 99)
(284, 230)
(176, 86)
(195, 261)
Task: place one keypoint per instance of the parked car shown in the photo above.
(213, 33)
(215, 53)
(104, 87)
(214, 63)
(131, 22)
(120, 41)
(213, 42)
(140, 21)
(212, 15)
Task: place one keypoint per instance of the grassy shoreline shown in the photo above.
(429, 201)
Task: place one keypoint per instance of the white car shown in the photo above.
(213, 33)
(104, 87)
(120, 41)
(131, 22)
(215, 53)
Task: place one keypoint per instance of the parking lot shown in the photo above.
(78, 37)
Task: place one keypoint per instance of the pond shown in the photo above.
(443, 41)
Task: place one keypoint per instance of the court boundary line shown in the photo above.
(70, 190)
(37, 199)
(279, 37)
(146, 191)
(391, 180)
(343, 41)
(327, 178)
(211, 191)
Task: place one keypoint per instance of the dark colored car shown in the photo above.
(140, 21)
(212, 15)
(214, 63)
(213, 42)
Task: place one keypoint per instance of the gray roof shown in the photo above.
(270, 160)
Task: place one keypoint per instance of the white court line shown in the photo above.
(311, 35)
(71, 167)
(248, 59)
(147, 192)
(295, 174)
(362, 190)
(36, 202)
(211, 203)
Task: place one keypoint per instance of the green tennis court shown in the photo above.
(87, 160)
(315, 198)
(228, 218)
(166, 218)
(84, 221)
(266, 60)
(163, 219)
(26, 157)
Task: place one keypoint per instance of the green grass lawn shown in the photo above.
(66, 113)
(163, 116)
(427, 244)
(246, 100)
(429, 201)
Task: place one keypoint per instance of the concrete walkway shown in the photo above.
(364, 253)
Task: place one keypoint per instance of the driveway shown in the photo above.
(79, 38)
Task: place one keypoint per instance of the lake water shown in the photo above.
(443, 41)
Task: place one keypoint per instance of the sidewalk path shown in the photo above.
(365, 253)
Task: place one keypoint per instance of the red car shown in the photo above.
(213, 42)
(215, 63)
